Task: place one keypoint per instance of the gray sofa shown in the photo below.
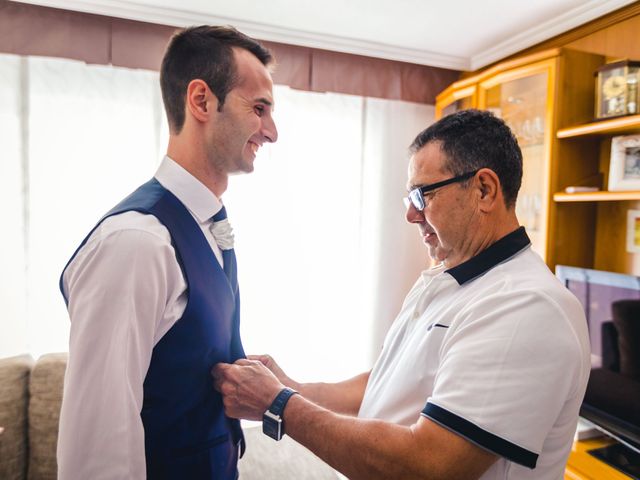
(30, 398)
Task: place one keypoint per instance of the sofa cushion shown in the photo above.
(40, 387)
(267, 459)
(45, 388)
(14, 398)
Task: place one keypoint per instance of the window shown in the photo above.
(325, 257)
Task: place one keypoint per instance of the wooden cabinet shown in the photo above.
(522, 98)
(455, 99)
(548, 101)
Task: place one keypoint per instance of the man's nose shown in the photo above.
(413, 215)
(269, 130)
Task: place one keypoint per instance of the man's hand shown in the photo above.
(248, 388)
(270, 363)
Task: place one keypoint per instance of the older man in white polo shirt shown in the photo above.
(483, 372)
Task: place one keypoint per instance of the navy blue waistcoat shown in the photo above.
(186, 432)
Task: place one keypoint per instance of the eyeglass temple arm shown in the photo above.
(464, 176)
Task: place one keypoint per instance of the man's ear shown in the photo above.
(201, 103)
(490, 190)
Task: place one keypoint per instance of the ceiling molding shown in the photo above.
(585, 13)
(527, 38)
(184, 18)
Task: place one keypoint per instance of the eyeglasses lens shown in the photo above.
(417, 199)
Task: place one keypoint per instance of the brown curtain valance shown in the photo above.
(34, 30)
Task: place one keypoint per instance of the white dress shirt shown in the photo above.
(125, 290)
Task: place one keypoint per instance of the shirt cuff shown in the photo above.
(480, 437)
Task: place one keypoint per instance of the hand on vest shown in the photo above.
(247, 388)
(270, 363)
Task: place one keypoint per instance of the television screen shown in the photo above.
(611, 303)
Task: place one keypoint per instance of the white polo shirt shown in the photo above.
(495, 350)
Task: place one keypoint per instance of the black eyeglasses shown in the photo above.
(416, 196)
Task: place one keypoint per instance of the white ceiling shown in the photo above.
(457, 34)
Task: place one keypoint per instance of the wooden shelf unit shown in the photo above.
(620, 125)
(581, 229)
(601, 196)
(529, 93)
(594, 224)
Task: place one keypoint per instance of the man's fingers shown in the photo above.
(247, 387)
(245, 361)
(219, 374)
(264, 359)
(219, 368)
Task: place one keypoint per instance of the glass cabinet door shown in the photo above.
(461, 99)
(521, 100)
(457, 105)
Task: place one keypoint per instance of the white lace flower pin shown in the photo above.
(223, 233)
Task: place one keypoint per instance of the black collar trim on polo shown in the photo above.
(502, 250)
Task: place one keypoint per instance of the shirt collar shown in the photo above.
(500, 251)
(193, 194)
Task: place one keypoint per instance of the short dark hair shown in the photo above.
(474, 139)
(203, 52)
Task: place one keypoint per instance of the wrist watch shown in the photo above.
(272, 423)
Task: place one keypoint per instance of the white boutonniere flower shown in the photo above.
(223, 233)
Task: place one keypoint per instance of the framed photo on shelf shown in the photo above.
(633, 231)
(624, 169)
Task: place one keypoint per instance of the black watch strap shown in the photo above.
(277, 407)
(272, 423)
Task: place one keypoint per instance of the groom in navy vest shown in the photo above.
(152, 291)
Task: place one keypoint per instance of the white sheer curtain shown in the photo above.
(325, 256)
(395, 252)
(298, 236)
(94, 135)
(84, 136)
(13, 279)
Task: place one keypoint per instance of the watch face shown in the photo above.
(272, 427)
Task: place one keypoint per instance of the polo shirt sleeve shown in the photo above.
(508, 364)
